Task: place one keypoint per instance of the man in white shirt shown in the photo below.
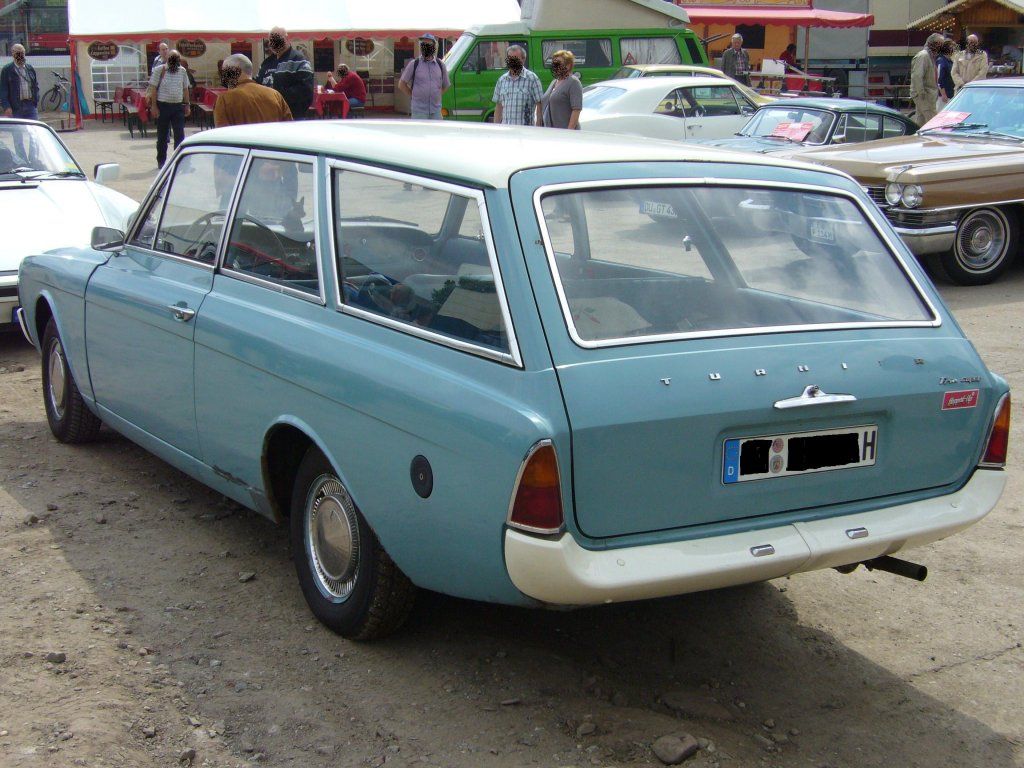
(168, 98)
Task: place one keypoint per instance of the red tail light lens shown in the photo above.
(537, 504)
(999, 437)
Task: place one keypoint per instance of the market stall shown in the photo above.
(114, 41)
(999, 24)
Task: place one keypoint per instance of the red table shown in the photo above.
(207, 95)
(330, 97)
(135, 100)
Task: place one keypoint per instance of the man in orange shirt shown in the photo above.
(246, 101)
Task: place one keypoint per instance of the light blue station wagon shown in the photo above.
(461, 358)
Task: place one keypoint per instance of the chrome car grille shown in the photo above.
(877, 194)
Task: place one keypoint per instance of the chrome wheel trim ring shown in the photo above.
(981, 240)
(57, 383)
(332, 538)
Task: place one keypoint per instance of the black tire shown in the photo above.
(986, 243)
(350, 583)
(51, 100)
(69, 417)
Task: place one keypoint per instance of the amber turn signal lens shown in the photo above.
(538, 500)
(999, 438)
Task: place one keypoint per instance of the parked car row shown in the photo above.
(465, 359)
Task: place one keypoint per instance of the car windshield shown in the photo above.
(811, 126)
(643, 263)
(27, 149)
(596, 96)
(988, 110)
(457, 51)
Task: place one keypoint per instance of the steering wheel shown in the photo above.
(197, 247)
(699, 110)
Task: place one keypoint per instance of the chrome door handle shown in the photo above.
(181, 313)
(813, 395)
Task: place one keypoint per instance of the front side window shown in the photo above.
(147, 230)
(588, 53)
(712, 101)
(417, 258)
(649, 50)
(490, 55)
(273, 234)
(197, 204)
(719, 259)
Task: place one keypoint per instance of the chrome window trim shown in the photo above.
(236, 198)
(871, 214)
(970, 206)
(168, 171)
(513, 357)
(546, 442)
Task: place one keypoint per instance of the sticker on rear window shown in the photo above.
(966, 398)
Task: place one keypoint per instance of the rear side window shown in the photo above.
(588, 53)
(855, 128)
(273, 234)
(719, 260)
(649, 50)
(415, 257)
(692, 48)
(893, 127)
(197, 202)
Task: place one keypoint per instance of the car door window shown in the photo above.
(273, 233)
(711, 101)
(596, 52)
(893, 127)
(394, 265)
(147, 229)
(197, 204)
(490, 55)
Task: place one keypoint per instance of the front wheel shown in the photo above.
(986, 244)
(51, 100)
(348, 580)
(69, 417)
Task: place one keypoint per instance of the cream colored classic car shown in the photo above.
(953, 191)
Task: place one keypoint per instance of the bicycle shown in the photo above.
(56, 97)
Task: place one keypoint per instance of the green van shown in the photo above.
(477, 59)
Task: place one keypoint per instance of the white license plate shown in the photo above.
(798, 453)
(822, 231)
(651, 208)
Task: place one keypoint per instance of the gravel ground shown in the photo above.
(129, 637)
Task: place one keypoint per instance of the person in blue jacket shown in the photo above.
(944, 73)
(19, 87)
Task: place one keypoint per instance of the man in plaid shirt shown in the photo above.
(518, 91)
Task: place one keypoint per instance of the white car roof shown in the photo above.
(666, 84)
(480, 154)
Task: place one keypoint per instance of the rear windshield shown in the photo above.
(641, 263)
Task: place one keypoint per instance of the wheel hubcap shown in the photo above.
(57, 379)
(332, 538)
(981, 241)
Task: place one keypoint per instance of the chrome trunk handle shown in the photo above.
(181, 312)
(813, 395)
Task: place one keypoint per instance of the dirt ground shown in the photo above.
(128, 639)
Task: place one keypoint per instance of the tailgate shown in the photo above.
(666, 453)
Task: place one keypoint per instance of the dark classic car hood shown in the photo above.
(935, 156)
(763, 146)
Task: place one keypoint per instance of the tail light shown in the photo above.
(537, 499)
(998, 436)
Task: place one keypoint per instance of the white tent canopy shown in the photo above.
(111, 19)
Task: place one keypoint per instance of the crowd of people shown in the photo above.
(940, 69)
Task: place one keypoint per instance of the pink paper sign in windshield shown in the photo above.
(946, 120)
(793, 131)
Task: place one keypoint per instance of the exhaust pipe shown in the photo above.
(889, 564)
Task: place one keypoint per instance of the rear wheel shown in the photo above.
(348, 580)
(69, 418)
(986, 244)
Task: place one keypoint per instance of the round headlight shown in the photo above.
(912, 195)
(892, 193)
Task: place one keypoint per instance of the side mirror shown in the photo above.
(104, 173)
(107, 238)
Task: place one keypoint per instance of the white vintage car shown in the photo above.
(46, 201)
(678, 108)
